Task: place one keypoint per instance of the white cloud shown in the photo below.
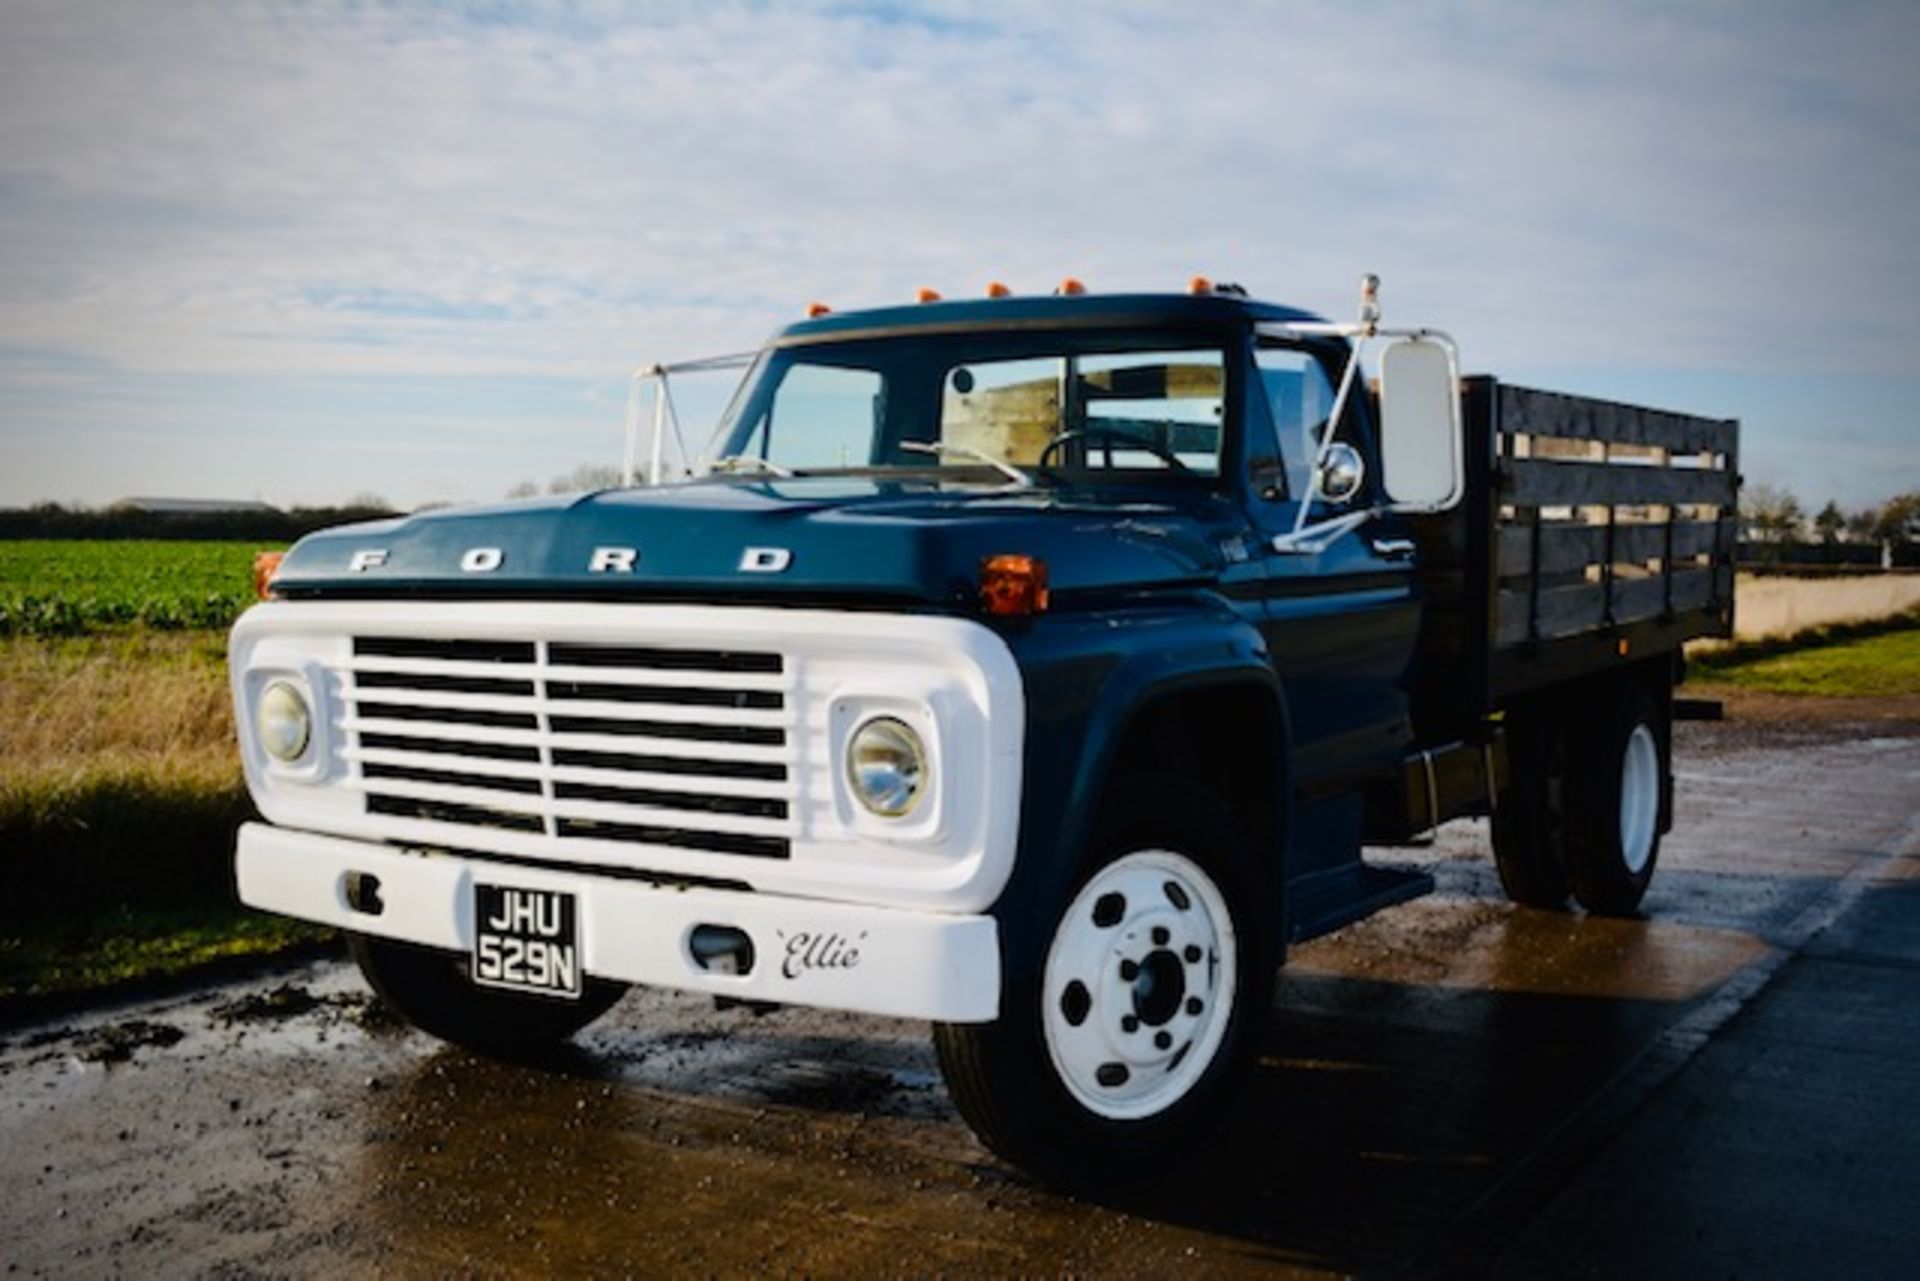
(222, 192)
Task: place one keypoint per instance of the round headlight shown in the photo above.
(284, 721)
(887, 766)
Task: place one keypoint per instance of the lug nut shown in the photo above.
(1163, 1040)
(1193, 1005)
(1129, 1024)
(1129, 971)
(1192, 954)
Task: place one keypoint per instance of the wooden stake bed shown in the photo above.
(1594, 534)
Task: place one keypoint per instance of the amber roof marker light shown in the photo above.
(817, 309)
(998, 289)
(1013, 586)
(926, 294)
(265, 566)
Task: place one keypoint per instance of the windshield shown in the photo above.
(1098, 402)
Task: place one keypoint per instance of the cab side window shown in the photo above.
(1299, 398)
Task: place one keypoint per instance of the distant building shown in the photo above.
(194, 506)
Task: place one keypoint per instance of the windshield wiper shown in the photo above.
(941, 447)
(734, 462)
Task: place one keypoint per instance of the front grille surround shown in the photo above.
(452, 726)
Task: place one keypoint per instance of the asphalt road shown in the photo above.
(1453, 1086)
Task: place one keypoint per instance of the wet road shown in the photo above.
(1430, 1082)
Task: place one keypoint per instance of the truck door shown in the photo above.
(1340, 624)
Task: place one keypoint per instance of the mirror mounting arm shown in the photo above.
(1316, 538)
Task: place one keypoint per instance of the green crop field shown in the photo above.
(71, 588)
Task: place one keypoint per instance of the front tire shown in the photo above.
(433, 990)
(1127, 1035)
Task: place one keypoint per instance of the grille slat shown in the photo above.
(739, 735)
(664, 678)
(716, 842)
(574, 743)
(415, 774)
(452, 651)
(675, 696)
(645, 742)
(453, 747)
(693, 766)
(435, 683)
(565, 653)
(471, 792)
(747, 806)
(535, 771)
(462, 716)
(719, 721)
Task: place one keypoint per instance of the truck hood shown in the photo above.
(899, 540)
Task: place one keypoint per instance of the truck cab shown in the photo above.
(1033, 666)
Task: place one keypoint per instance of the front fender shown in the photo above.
(1087, 680)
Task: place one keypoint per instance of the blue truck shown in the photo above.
(1039, 667)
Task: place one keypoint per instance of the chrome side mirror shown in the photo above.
(1342, 471)
(1421, 433)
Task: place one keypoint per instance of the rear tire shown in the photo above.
(1127, 1036)
(434, 991)
(1529, 818)
(1614, 802)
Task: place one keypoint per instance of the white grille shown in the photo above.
(683, 748)
(672, 741)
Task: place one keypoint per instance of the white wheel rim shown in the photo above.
(1145, 957)
(1639, 798)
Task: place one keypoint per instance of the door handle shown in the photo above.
(1393, 548)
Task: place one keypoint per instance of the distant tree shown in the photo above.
(1899, 520)
(1773, 515)
(1860, 525)
(586, 478)
(1829, 523)
(524, 489)
(369, 502)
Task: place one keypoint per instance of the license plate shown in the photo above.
(526, 940)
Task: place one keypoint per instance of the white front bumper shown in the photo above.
(893, 961)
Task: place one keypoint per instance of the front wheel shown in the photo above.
(434, 991)
(1127, 1037)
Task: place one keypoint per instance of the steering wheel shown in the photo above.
(1110, 435)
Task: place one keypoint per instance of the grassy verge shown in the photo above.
(128, 946)
(120, 790)
(1870, 660)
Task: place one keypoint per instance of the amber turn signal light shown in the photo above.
(1013, 586)
(265, 566)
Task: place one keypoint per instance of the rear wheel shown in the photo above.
(1529, 817)
(434, 991)
(1126, 1037)
(1613, 833)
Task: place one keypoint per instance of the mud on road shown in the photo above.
(1427, 1079)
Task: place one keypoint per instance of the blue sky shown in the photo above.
(304, 251)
